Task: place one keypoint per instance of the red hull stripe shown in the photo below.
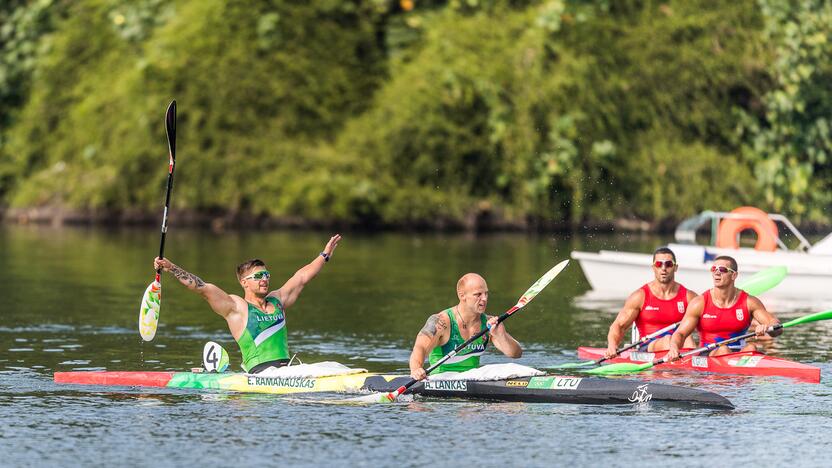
(144, 379)
(742, 363)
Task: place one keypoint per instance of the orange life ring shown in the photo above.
(753, 218)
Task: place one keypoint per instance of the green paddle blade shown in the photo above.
(571, 365)
(620, 368)
(763, 280)
(809, 318)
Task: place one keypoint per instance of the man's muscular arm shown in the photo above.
(763, 317)
(190, 280)
(503, 340)
(688, 325)
(218, 299)
(430, 336)
(626, 316)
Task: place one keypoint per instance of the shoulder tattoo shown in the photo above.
(189, 279)
(433, 324)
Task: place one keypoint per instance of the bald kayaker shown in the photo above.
(723, 312)
(656, 305)
(451, 327)
(257, 320)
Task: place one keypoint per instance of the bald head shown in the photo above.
(469, 281)
(473, 293)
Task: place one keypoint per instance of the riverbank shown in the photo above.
(481, 219)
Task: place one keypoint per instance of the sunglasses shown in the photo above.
(260, 275)
(665, 263)
(721, 269)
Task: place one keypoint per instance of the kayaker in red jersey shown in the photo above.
(451, 327)
(257, 320)
(654, 306)
(723, 312)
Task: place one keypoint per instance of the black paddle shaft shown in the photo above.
(170, 128)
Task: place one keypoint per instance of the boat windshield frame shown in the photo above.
(686, 230)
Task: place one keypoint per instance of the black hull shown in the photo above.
(557, 389)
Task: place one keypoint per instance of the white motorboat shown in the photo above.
(616, 274)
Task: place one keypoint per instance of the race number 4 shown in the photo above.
(214, 357)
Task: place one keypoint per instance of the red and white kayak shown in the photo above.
(744, 363)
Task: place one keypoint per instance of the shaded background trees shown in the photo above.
(531, 113)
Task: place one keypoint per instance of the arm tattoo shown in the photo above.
(432, 325)
(188, 279)
(429, 329)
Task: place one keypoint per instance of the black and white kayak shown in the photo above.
(556, 389)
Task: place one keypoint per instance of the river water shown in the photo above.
(70, 301)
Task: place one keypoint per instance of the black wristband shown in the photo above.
(325, 256)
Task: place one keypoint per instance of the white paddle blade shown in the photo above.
(149, 310)
(540, 284)
(214, 357)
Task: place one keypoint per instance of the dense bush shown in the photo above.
(524, 112)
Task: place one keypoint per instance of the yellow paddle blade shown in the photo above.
(149, 310)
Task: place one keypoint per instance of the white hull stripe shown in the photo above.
(460, 358)
(265, 334)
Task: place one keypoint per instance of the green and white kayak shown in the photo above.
(540, 389)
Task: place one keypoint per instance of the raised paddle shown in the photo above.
(524, 299)
(628, 368)
(152, 298)
(757, 284)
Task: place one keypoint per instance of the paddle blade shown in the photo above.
(572, 365)
(620, 368)
(149, 309)
(763, 280)
(170, 129)
(809, 318)
(540, 284)
(372, 398)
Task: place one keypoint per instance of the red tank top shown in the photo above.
(658, 313)
(718, 324)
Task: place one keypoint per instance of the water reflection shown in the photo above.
(364, 310)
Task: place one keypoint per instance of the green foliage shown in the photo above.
(788, 141)
(678, 179)
(543, 113)
(523, 111)
(246, 75)
(23, 25)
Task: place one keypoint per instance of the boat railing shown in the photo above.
(686, 231)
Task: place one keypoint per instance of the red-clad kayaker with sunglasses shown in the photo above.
(723, 312)
(257, 320)
(652, 307)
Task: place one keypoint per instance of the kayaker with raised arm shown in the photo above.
(257, 320)
(451, 327)
(723, 312)
(656, 305)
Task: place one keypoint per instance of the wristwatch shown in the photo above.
(325, 256)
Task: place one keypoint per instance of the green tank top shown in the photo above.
(468, 357)
(265, 337)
